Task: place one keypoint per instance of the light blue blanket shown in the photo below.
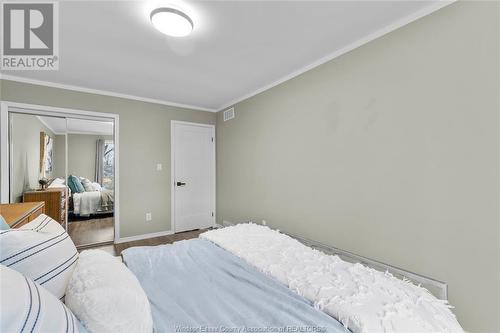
(196, 286)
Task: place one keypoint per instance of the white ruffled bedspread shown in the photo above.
(361, 298)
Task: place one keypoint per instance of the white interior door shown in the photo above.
(193, 176)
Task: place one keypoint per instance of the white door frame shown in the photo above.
(43, 110)
(172, 169)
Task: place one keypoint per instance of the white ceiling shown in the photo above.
(237, 48)
(77, 126)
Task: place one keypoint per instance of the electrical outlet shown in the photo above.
(159, 167)
(264, 222)
(149, 217)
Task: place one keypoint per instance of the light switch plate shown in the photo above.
(159, 167)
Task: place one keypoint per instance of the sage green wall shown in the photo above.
(60, 159)
(81, 154)
(144, 142)
(26, 130)
(390, 151)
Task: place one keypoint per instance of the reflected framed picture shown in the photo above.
(46, 155)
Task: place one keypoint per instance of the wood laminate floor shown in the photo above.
(91, 231)
(117, 249)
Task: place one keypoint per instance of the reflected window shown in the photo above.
(108, 176)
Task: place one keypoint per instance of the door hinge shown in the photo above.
(212, 139)
(212, 214)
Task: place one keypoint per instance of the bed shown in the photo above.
(92, 199)
(251, 278)
(193, 284)
(243, 278)
(94, 202)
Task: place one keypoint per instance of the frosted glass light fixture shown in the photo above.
(171, 22)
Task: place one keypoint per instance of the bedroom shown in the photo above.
(372, 128)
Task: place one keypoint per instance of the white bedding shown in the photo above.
(361, 298)
(106, 296)
(87, 203)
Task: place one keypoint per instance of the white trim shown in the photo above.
(144, 236)
(102, 92)
(360, 42)
(58, 112)
(116, 138)
(40, 118)
(85, 133)
(6, 107)
(227, 223)
(172, 178)
(66, 167)
(172, 169)
(191, 123)
(4, 153)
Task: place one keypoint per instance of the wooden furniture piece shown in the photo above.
(56, 201)
(19, 214)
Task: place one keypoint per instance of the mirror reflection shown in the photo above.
(37, 154)
(90, 181)
(68, 165)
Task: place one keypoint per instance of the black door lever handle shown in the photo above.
(180, 184)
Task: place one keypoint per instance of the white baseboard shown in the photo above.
(143, 236)
(226, 223)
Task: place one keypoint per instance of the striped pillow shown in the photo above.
(28, 307)
(41, 250)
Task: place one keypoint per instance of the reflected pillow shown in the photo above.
(97, 186)
(75, 184)
(87, 185)
(57, 182)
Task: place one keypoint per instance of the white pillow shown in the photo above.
(57, 182)
(106, 296)
(41, 250)
(28, 307)
(87, 185)
(97, 186)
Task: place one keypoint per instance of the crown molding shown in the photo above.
(360, 42)
(102, 92)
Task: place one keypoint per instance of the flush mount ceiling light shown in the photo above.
(171, 22)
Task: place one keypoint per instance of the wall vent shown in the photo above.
(229, 114)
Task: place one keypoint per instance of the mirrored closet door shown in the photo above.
(91, 180)
(38, 166)
(68, 165)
